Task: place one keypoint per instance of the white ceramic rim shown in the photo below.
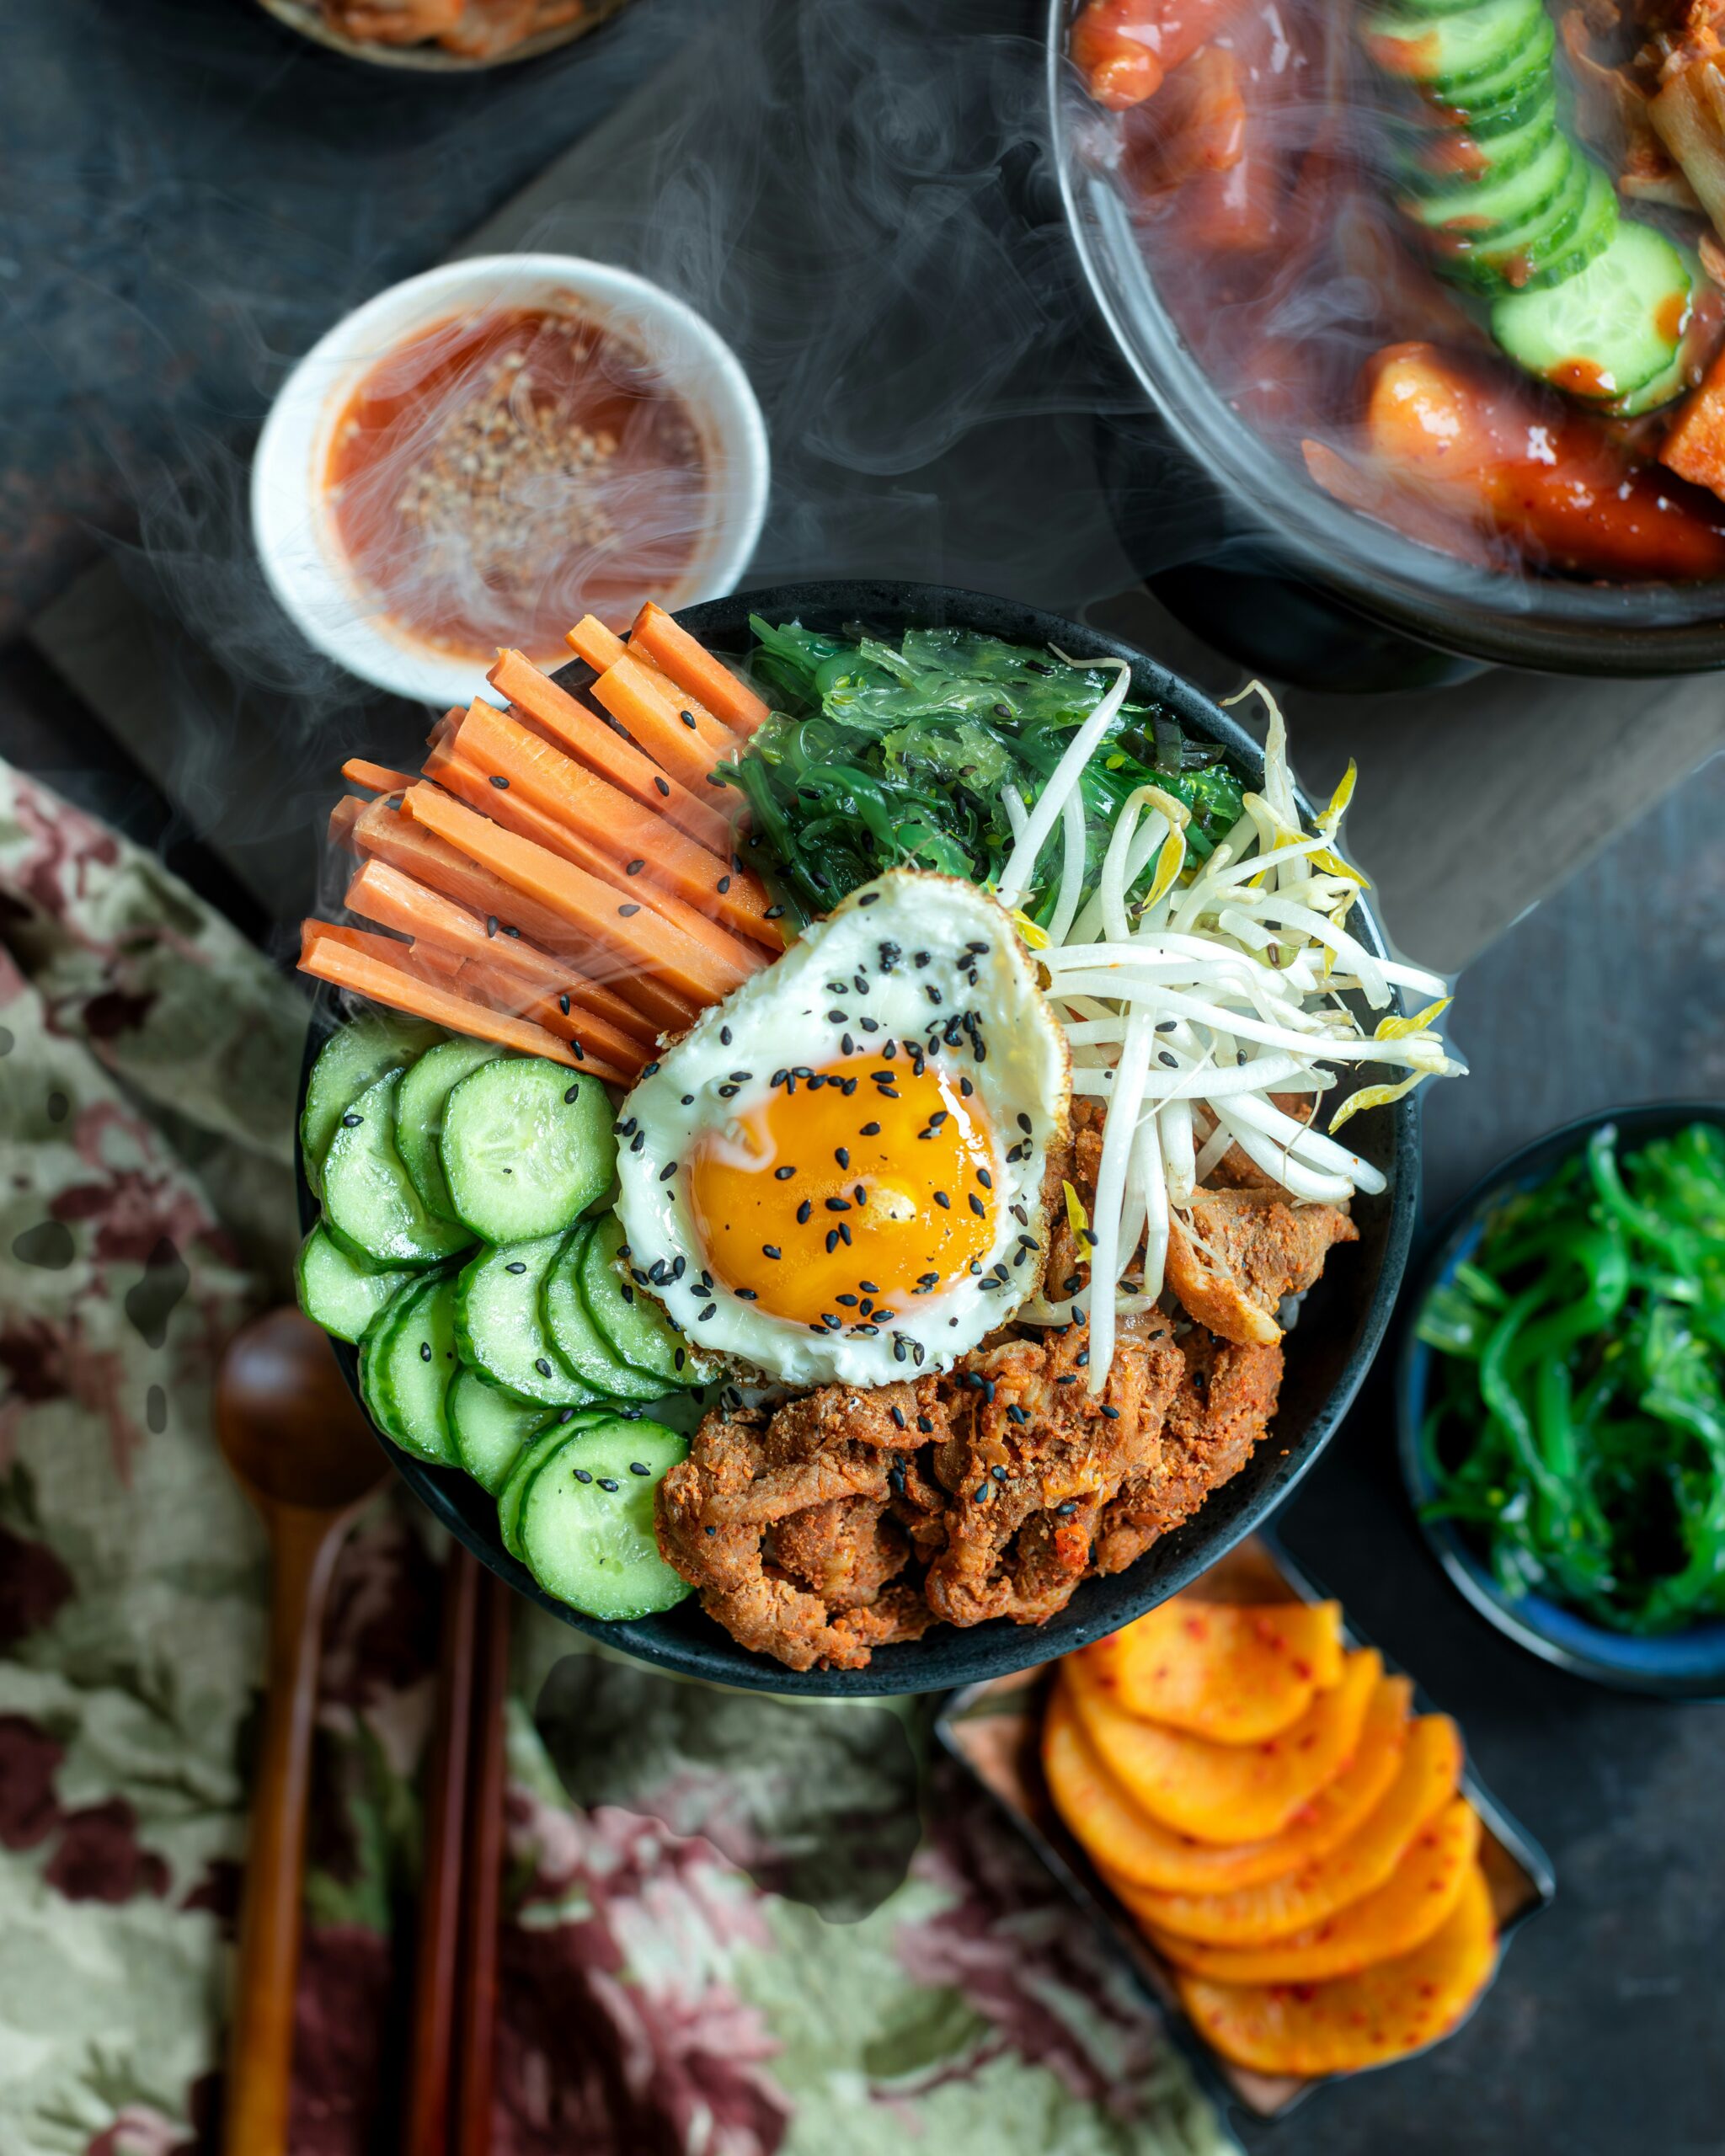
(294, 531)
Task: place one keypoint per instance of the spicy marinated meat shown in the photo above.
(847, 1518)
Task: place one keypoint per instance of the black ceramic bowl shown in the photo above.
(1687, 1665)
(1286, 560)
(1341, 1324)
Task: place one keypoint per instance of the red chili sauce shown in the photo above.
(1259, 179)
(497, 476)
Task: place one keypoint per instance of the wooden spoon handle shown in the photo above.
(260, 2040)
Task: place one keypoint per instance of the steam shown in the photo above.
(859, 197)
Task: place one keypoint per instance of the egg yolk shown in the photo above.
(843, 1208)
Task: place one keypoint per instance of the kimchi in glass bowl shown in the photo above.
(1429, 291)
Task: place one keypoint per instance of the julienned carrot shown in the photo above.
(635, 941)
(375, 778)
(384, 894)
(342, 818)
(594, 1043)
(590, 639)
(536, 774)
(687, 747)
(588, 738)
(692, 667)
(384, 834)
(601, 648)
(463, 778)
(327, 956)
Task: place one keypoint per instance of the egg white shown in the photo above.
(990, 1023)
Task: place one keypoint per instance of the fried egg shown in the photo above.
(836, 1176)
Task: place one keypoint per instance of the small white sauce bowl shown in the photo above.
(293, 523)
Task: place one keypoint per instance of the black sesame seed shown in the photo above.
(634, 868)
(651, 1070)
(869, 1025)
(842, 1157)
(582, 1476)
(667, 1172)
(774, 913)
(574, 1093)
(351, 1122)
(491, 924)
(945, 1202)
(869, 1130)
(664, 791)
(977, 1206)
(701, 1316)
(627, 911)
(1113, 1414)
(771, 1249)
(747, 1295)
(605, 1483)
(541, 1364)
(424, 1351)
(783, 1175)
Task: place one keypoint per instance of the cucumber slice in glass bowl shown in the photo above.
(1611, 329)
(527, 1146)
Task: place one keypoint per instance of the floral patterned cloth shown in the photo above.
(726, 1931)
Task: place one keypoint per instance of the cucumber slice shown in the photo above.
(1447, 161)
(1672, 382)
(1470, 213)
(527, 1147)
(1443, 53)
(637, 1328)
(501, 1330)
(405, 1363)
(1611, 329)
(367, 1192)
(339, 1292)
(350, 1061)
(528, 1461)
(418, 1115)
(584, 1521)
(576, 1337)
(1513, 257)
(489, 1427)
(1482, 100)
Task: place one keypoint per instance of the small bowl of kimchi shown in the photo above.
(484, 454)
(1432, 295)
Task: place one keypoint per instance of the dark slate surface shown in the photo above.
(188, 196)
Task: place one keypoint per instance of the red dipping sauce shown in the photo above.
(497, 476)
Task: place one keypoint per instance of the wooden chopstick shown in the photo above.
(430, 2053)
(482, 1878)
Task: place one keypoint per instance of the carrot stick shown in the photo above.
(463, 778)
(587, 737)
(694, 668)
(590, 907)
(342, 818)
(590, 639)
(385, 835)
(667, 728)
(375, 778)
(328, 957)
(601, 648)
(384, 894)
(538, 776)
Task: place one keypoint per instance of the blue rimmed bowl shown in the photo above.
(1687, 1665)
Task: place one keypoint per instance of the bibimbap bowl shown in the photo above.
(1255, 518)
(1328, 1350)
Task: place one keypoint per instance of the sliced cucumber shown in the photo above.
(577, 1338)
(502, 1332)
(350, 1060)
(418, 1115)
(1513, 256)
(1520, 76)
(1447, 161)
(637, 1328)
(406, 1364)
(531, 1457)
(1609, 329)
(1675, 379)
(1444, 53)
(1471, 213)
(366, 1191)
(342, 1293)
(1567, 254)
(527, 1147)
(489, 1426)
(584, 1521)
